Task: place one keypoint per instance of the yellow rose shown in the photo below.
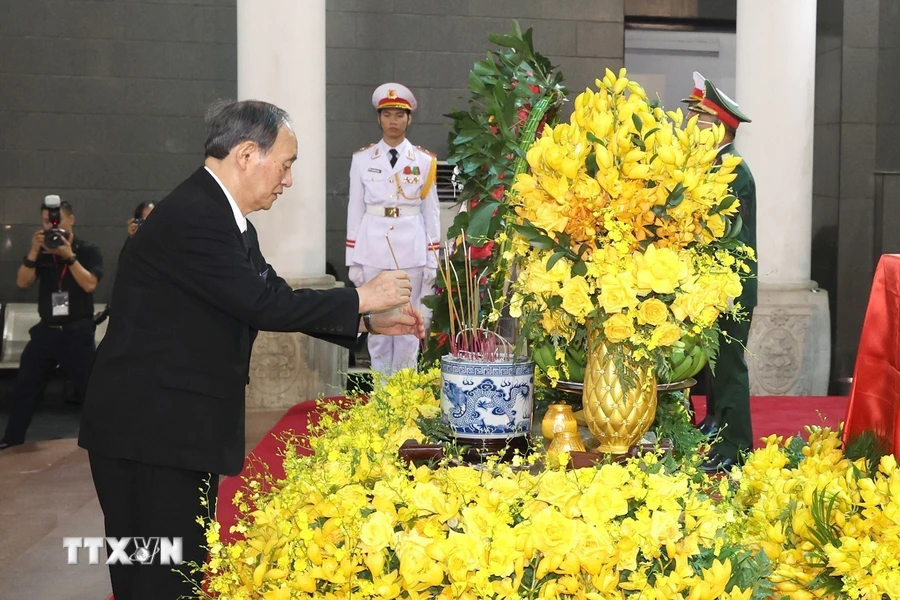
(665, 334)
(708, 316)
(618, 328)
(617, 292)
(732, 286)
(557, 488)
(576, 297)
(502, 553)
(479, 522)
(593, 549)
(417, 569)
(553, 533)
(428, 498)
(541, 281)
(377, 532)
(659, 270)
(652, 312)
(549, 216)
(716, 224)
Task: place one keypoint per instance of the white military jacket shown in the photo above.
(400, 201)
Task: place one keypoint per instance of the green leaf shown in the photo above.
(590, 163)
(555, 259)
(736, 227)
(651, 132)
(594, 139)
(638, 142)
(479, 222)
(542, 242)
(725, 204)
(638, 124)
(675, 196)
(580, 268)
(528, 231)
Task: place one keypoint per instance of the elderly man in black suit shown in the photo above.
(164, 408)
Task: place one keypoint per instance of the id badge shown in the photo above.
(59, 302)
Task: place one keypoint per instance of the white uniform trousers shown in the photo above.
(390, 353)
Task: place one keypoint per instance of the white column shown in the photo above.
(789, 351)
(776, 76)
(281, 59)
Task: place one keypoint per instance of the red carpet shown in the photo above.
(785, 416)
(781, 415)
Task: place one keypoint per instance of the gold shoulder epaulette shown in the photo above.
(428, 152)
(364, 148)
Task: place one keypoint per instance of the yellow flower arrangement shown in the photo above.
(830, 525)
(353, 521)
(626, 219)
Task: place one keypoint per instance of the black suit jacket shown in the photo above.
(167, 387)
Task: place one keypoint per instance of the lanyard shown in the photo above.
(62, 275)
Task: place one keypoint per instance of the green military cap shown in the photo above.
(697, 93)
(716, 103)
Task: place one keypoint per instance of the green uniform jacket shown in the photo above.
(744, 188)
(729, 398)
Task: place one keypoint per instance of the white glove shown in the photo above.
(428, 278)
(356, 275)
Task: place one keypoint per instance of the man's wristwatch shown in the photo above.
(28, 262)
(367, 321)
(71, 261)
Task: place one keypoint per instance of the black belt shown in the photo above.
(66, 326)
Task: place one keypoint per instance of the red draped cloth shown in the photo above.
(875, 395)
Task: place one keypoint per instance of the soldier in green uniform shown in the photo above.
(728, 391)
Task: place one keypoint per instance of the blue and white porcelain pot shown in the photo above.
(487, 400)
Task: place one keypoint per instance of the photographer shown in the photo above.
(142, 211)
(68, 270)
(140, 214)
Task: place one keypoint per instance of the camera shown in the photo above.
(53, 237)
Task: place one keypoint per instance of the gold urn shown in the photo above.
(559, 418)
(617, 415)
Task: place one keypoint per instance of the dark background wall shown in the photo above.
(103, 103)
(430, 46)
(868, 209)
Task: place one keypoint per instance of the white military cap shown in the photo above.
(393, 95)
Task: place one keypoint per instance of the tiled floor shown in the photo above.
(46, 494)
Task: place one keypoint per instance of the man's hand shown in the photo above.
(405, 320)
(37, 242)
(390, 289)
(64, 251)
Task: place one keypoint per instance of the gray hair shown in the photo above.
(229, 123)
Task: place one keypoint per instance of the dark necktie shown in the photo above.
(393, 157)
(246, 236)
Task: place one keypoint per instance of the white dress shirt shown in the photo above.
(239, 218)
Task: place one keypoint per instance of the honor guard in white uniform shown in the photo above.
(393, 219)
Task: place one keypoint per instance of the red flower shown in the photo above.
(494, 129)
(535, 88)
(482, 252)
(498, 192)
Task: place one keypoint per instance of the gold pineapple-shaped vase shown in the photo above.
(618, 419)
(559, 418)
